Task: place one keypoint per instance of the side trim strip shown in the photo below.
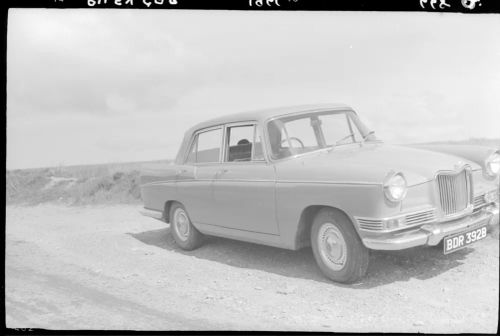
(158, 183)
(152, 213)
(331, 182)
(278, 181)
(234, 229)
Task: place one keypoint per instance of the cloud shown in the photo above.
(103, 85)
(88, 62)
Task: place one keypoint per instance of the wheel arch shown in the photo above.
(166, 209)
(303, 233)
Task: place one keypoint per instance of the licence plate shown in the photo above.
(461, 240)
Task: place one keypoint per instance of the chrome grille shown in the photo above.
(370, 224)
(409, 220)
(420, 217)
(454, 191)
(479, 202)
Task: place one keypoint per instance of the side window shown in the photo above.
(243, 144)
(206, 147)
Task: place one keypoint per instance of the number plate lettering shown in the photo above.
(461, 240)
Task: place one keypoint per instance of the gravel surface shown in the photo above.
(108, 267)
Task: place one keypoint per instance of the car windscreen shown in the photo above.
(298, 134)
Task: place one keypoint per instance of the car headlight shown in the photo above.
(395, 187)
(492, 164)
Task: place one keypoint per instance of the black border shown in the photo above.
(448, 6)
(455, 6)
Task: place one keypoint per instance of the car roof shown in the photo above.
(264, 114)
(256, 115)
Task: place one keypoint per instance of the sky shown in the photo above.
(88, 86)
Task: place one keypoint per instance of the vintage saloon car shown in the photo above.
(316, 175)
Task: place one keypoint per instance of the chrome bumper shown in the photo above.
(432, 234)
(152, 213)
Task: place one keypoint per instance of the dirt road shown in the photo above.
(110, 268)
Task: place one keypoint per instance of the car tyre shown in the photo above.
(185, 234)
(337, 248)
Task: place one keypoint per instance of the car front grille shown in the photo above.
(454, 191)
(370, 224)
(479, 202)
(420, 217)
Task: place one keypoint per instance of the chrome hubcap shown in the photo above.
(181, 224)
(332, 246)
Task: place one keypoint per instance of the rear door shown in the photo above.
(195, 179)
(244, 186)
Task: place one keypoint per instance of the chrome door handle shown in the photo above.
(222, 171)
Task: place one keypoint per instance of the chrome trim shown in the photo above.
(446, 192)
(419, 183)
(421, 217)
(367, 224)
(418, 217)
(157, 183)
(431, 234)
(331, 182)
(465, 212)
(276, 181)
(152, 213)
(479, 202)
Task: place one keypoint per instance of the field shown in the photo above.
(100, 184)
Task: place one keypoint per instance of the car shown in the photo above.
(317, 176)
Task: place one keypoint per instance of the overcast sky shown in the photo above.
(95, 86)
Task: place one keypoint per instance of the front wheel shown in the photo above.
(183, 231)
(337, 248)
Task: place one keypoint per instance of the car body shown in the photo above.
(274, 172)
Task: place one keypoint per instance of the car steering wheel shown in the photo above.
(296, 139)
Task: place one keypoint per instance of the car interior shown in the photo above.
(242, 151)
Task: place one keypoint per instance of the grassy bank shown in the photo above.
(76, 185)
(97, 184)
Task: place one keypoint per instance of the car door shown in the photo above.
(244, 186)
(196, 177)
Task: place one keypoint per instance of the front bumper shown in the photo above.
(432, 234)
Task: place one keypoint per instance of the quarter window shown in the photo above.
(206, 147)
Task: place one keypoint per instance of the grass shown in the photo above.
(76, 185)
(100, 184)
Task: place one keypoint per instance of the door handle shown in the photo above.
(222, 171)
(181, 171)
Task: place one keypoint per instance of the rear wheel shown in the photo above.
(337, 248)
(183, 231)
